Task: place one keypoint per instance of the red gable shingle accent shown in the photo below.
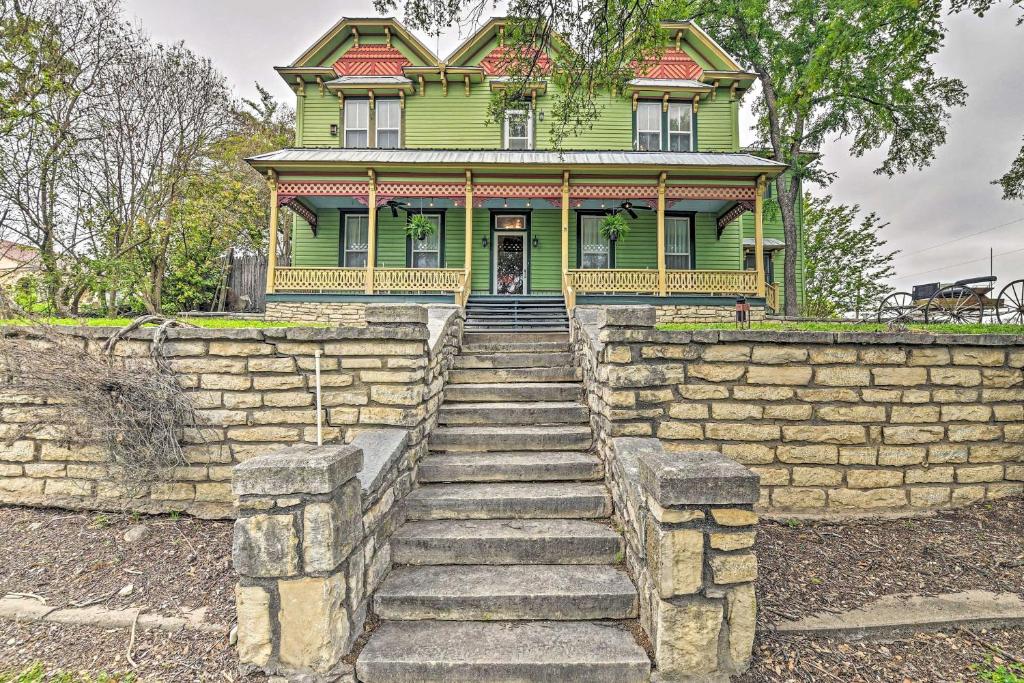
(499, 62)
(371, 60)
(674, 64)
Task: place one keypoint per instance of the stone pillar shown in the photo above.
(299, 520)
(698, 570)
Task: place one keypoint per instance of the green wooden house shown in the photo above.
(387, 131)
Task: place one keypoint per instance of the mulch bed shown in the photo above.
(807, 567)
(923, 658)
(72, 559)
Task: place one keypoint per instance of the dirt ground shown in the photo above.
(184, 564)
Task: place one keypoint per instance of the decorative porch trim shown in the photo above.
(485, 191)
(721, 192)
(731, 214)
(316, 188)
(301, 209)
(580, 193)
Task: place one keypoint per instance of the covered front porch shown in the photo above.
(518, 227)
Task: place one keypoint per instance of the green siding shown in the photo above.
(716, 129)
(433, 121)
(319, 112)
(321, 250)
(391, 239)
(613, 128)
(546, 259)
(481, 255)
(455, 238)
(640, 248)
(715, 253)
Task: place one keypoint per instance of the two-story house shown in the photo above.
(386, 131)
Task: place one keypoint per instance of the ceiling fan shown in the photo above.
(630, 208)
(395, 205)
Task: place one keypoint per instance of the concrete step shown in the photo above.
(497, 467)
(499, 592)
(514, 375)
(514, 360)
(511, 438)
(537, 413)
(502, 652)
(515, 347)
(518, 337)
(535, 391)
(506, 541)
(563, 500)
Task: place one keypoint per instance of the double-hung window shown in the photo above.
(426, 253)
(357, 124)
(355, 240)
(389, 124)
(678, 247)
(648, 126)
(680, 127)
(595, 251)
(519, 129)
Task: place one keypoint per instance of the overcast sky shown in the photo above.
(926, 209)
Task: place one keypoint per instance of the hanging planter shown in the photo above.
(614, 227)
(420, 227)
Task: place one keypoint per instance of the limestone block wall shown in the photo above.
(255, 391)
(351, 314)
(689, 527)
(676, 313)
(832, 422)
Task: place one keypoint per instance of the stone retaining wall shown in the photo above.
(677, 313)
(255, 389)
(350, 314)
(832, 422)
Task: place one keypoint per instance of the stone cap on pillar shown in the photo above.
(695, 477)
(627, 316)
(396, 314)
(300, 469)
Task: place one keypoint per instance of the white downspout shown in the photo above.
(319, 410)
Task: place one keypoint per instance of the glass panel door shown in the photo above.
(509, 264)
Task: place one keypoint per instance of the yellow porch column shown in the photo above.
(469, 224)
(371, 232)
(662, 278)
(272, 242)
(759, 235)
(565, 225)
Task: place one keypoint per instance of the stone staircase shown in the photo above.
(509, 568)
(500, 313)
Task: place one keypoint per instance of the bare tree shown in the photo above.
(41, 150)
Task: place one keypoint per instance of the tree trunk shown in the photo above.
(787, 207)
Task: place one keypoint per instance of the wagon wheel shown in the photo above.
(1010, 306)
(954, 304)
(897, 307)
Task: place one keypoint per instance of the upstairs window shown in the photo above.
(357, 124)
(678, 243)
(389, 124)
(648, 126)
(518, 129)
(680, 127)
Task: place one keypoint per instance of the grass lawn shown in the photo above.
(216, 323)
(937, 328)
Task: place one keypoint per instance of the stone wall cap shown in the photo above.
(389, 314)
(696, 478)
(713, 336)
(299, 469)
(627, 316)
(381, 448)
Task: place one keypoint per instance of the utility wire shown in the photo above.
(904, 254)
(961, 263)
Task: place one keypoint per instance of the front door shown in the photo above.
(509, 263)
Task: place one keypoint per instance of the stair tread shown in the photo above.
(510, 500)
(495, 592)
(523, 529)
(575, 430)
(503, 652)
(514, 490)
(510, 466)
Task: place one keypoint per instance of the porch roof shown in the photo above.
(737, 161)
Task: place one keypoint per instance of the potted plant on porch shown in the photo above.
(614, 227)
(420, 227)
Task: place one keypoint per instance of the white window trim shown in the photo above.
(379, 130)
(529, 127)
(636, 141)
(346, 130)
(688, 106)
(689, 232)
(345, 251)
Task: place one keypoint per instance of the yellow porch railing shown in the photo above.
(351, 280)
(645, 281)
(771, 297)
